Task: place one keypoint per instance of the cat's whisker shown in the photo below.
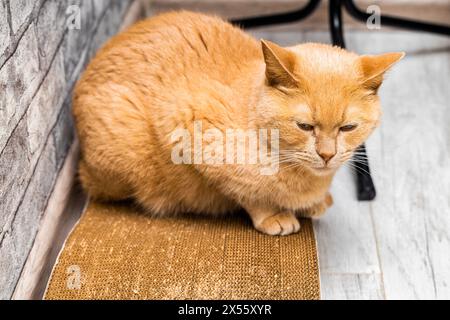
(299, 157)
(360, 153)
(360, 159)
(360, 162)
(293, 166)
(357, 168)
(287, 161)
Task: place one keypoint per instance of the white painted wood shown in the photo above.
(345, 236)
(412, 151)
(351, 287)
(346, 244)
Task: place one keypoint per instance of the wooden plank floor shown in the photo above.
(398, 246)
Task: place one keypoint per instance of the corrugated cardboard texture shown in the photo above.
(116, 252)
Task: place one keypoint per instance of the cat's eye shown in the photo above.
(305, 126)
(348, 127)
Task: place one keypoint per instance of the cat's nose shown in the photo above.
(326, 156)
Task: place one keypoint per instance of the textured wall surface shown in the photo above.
(44, 45)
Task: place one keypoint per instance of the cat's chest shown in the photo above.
(297, 191)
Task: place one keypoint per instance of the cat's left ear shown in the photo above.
(374, 67)
(280, 64)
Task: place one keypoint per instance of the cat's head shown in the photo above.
(322, 99)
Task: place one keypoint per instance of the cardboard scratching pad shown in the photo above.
(116, 252)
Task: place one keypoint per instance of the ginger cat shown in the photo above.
(178, 68)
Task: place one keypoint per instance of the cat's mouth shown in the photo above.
(325, 169)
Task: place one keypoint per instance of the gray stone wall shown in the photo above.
(42, 52)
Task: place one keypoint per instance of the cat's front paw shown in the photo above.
(283, 224)
(317, 210)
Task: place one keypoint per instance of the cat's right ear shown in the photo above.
(280, 65)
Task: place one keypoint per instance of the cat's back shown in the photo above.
(156, 70)
(177, 44)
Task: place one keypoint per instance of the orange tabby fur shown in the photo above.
(167, 71)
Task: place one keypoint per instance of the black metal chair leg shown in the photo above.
(296, 15)
(335, 20)
(365, 187)
(358, 14)
(364, 183)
